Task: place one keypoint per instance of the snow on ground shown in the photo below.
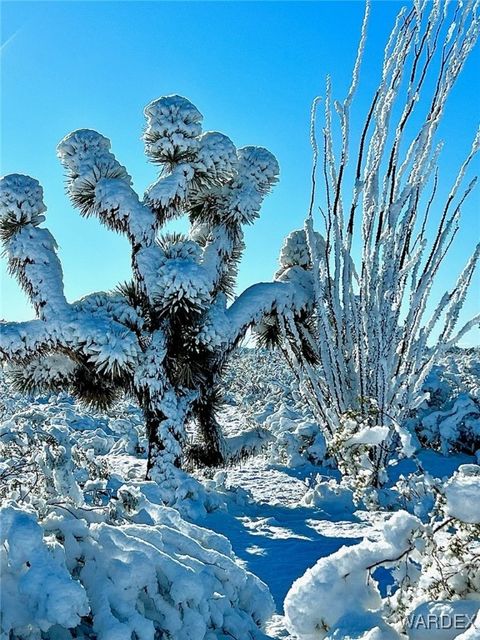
(276, 536)
(280, 518)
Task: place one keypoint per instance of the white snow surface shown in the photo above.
(463, 494)
(338, 586)
(98, 538)
(445, 621)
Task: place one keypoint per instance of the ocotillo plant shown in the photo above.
(371, 346)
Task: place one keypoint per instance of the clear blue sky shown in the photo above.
(251, 68)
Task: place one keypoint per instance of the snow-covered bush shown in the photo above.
(461, 494)
(164, 337)
(429, 564)
(263, 389)
(339, 585)
(260, 386)
(449, 420)
(141, 573)
(88, 549)
(257, 377)
(52, 449)
(364, 348)
(331, 496)
(456, 428)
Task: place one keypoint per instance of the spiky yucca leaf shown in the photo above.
(83, 194)
(167, 240)
(94, 390)
(267, 333)
(11, 225)
(130, 291)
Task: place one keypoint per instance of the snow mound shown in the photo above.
(462, 493)
(330, 496)
(38, 591)
(142, 574)
(443, 620)
(363, 626)
(340, 585)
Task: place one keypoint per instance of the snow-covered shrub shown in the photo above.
(461, 494)
(331, 496)
(262, 388)
(339, 585)
(297, 437)
(38, 591)
(358, 442)
(164, 337)
(143, 574)
(256, 377)
(88, 549)
(364, 347)
(433, 566)
(414, 492)
(264, 391)
(52, 449)
(449, 419)
(454, 429)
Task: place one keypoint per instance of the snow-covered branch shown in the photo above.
(31, 251)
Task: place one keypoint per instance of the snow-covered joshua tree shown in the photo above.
(164, 337)
(369, 336)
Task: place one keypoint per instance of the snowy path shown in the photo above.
(275, 536)
(278, 538)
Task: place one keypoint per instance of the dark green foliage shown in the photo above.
(95, 390)
(10, 226)
(268, 332)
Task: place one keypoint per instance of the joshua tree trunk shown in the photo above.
(212, 454)
(211, 451)
(155, 445)
(157, 424)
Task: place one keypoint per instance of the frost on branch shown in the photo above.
(365, 347)
(296, 253)
(99, 185)
(216, 159)
(22, 202)
(181, 281)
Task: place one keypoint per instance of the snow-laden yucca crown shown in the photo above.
(173, 124)
(295, 250)
(216, 158)
(87, 158)
(239, 201)
(21, 199)
(259, 166)
(85, 149)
